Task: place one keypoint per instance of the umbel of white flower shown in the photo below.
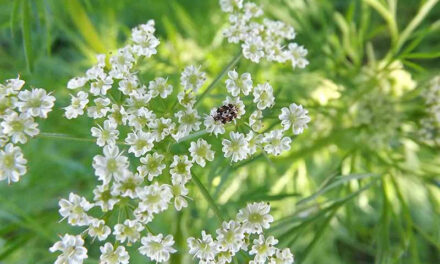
(136, 164)
(261, 38)
(235, 235)
(18, 111)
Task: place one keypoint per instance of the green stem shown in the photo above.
(208, 197)
(388, 16)
(228, 67)
(68, 137)
(415, 22)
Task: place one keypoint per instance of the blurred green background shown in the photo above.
(358, 187)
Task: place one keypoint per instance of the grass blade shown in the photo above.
(26, 33)
(341, 180)
(84, 25)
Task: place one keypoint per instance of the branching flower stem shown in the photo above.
(70, 138)
(228, 67)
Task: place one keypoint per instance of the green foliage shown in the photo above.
(347, 192)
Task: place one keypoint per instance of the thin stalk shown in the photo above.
(68, 137)
(208, 197)
(228, 67)
(415, 22)
(388, 16)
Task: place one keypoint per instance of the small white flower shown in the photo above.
(72, 250)
(140, 118)
(103, 198)
(297, 55)
(154, 198)
(77, 105)
(192, 78)
(19, 126)
(12, 163)
(7, 103)
(101, 85)
(224, 257)
(252, 10)
(180, 169)
(159, 86)
(275, 142)
(143, 216)
(157, 248)
(229, 6)
(129, 231)
(179, 192)
(112, 164)
(186, 99)
(145, 41)
(118, 115)
(188, 120)
(100, 109)
(204, 249)
(255, 120)
(94, 72)
(12, 87)
(138, 101)
(295, 117)
(236, 84)
(161, 128)
(153, 165)
(201, 151)
(212, 125)
(254, 217)
(263, 248)
(97, 228)
(121, 63)
(126, 186)
(253, 49)
(75, 210)
(129, 85)
(140, 142)
(237, 31)
(35, 102)
(106, 135)
(263, 96)
(254, 141)
(230, 237)
(237, 147)
(282, 257)
(76, 82)
(111, 255)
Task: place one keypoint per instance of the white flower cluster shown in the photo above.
(261, 37)
(430, 125)
(240, 146)
(139, 118)
(18, 111)
(244, 233)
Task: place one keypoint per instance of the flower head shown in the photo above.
(72, 250)
(157, 248)
(113, 255)
(295, 117)
(236, 147)
(255, 217)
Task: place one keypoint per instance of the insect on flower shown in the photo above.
(226, 113)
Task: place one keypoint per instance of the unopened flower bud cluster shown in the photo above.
(430, 125)
(244, 233)
(19, 110)
(262, 38)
